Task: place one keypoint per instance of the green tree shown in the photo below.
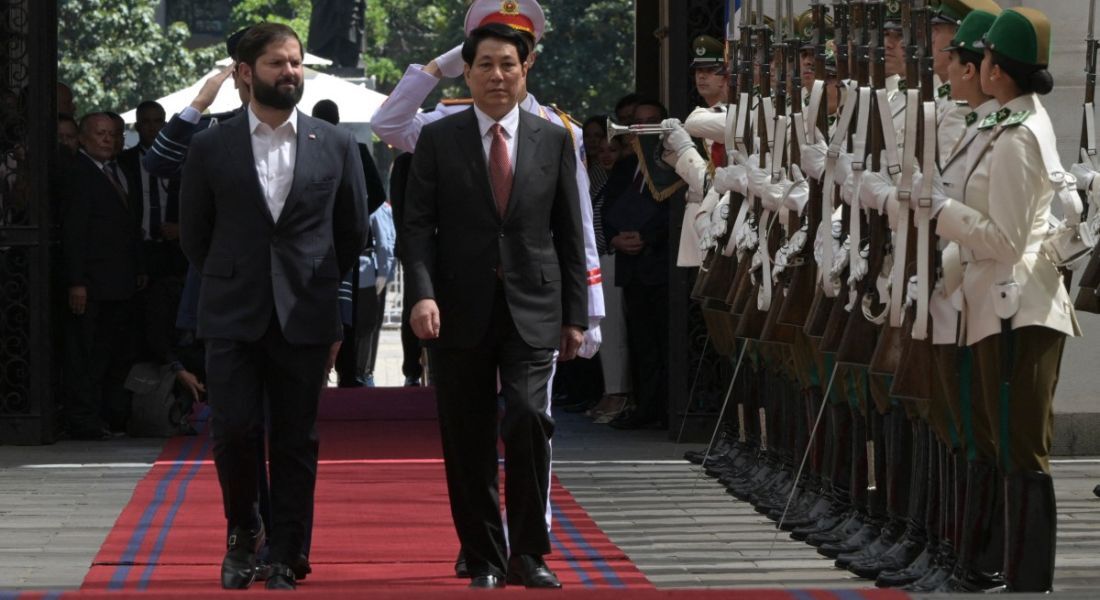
(586, 61)
(295, 13)
(114, 54)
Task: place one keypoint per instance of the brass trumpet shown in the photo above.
(614, 129)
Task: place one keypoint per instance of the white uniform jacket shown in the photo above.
(1000, 224)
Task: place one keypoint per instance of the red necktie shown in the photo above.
(718, 154)
(500, 168)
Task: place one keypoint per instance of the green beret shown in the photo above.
(971, 30)
(952, 12)
(1021, 34)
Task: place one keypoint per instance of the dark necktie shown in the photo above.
(500, 169)
(154, 208)
(112, 176)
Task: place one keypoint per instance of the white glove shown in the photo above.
(843, 168)
(678, 140)
(939, 194)
(798, 193)
(591, 342)
(759, 179)
(876, 188)
(379, 284)
(701, 225)
(450, 63)
(773, 193)
(1084, 176)
(813, 160)
(731, 179)
(719, 218)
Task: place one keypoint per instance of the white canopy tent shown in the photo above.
(357, 103)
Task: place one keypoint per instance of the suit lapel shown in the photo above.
(306, 135)
(469, 141)
(239, 146)
(527, 136)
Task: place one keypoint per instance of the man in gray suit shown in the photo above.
(494, 256)
(273, 213)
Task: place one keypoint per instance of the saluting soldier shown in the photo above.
(1017, 312)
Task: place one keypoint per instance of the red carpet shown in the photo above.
(382, 517)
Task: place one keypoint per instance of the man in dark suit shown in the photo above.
(101, 245)
(636, 225)
(497, 273)
(272, 211)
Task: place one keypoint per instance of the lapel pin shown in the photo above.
(312, 136)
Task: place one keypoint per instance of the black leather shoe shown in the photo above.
(281, 578)
(461, 571)
(301, 567)
(1096, 491)
(239, 564)
(486, 582)
(532, 572)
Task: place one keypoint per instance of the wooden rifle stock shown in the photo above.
(916, 360)
(857, 345)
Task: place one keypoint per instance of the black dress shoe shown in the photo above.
(1096, 491)
(486, 582)
(301, 567)
(461, 571)
(634, 421)
(281, 578)
(239, 564)
(532, 572)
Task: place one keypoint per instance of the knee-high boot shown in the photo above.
(1031, 524)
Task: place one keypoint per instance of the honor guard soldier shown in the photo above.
(1017, 312)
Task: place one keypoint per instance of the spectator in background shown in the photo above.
(376, 268)
(347, 373)
(411, 366)
(636, 223)
(101, 246)
(624, 108)
(68, 135)
(594, 132)
(118, 131)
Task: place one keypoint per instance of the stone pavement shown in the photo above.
(58, 502)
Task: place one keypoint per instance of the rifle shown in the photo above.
(861, 335)
(718, 268)
(823, 303)
(801, 290)
(911, 378)
(752, 319)
(1088, 297)
(837, 322)
(774, 330)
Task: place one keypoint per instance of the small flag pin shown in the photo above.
(312, 136)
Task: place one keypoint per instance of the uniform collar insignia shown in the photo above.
(943, 90)
(970, 118)
(1016, 118)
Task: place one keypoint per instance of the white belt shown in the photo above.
(855, 234)
(905, 192)
(840, 135)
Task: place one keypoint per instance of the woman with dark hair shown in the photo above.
(1017, 312)
(594, 131)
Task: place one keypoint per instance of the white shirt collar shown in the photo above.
(510, 121)
(254, 121)
(530, 104)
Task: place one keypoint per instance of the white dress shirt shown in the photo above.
(275, 151)
(509, 122)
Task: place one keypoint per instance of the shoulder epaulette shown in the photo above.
(994, 118)
(1016, 118)
(456, 101)
(943, 90)
(566, 117)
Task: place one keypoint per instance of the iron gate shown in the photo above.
(28, 147)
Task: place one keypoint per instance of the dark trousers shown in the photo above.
(240, 376)
(645, 312)
(99, 351)
(410, 345)
(372, 308)
(466, 392)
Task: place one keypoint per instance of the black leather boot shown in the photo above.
(1031, 524)
(909, 479)
(979, 519)
(925, 561)
(877, 499)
